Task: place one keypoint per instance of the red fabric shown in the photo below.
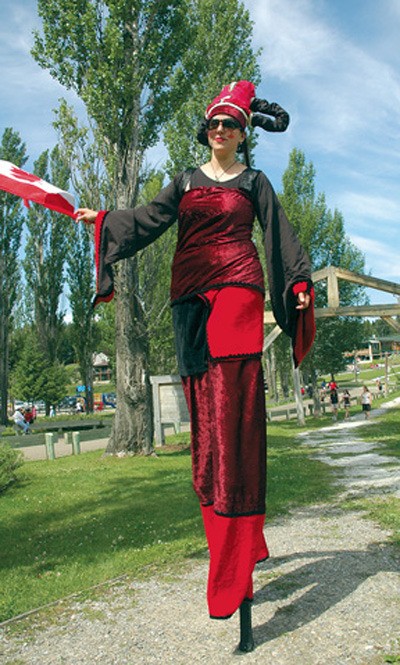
(32, 188)
(299, 287)
(305, 331)
(228, 432)
(215, 244)
(235, 325)
(234, 100)
(235, 546)
(228, 436)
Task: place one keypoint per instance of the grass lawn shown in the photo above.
(369, 374)
(75, 522)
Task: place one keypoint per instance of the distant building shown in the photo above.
(390, 343)
(376, 347)
(101, 367)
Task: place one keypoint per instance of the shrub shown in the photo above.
(10, 461)
(8, 431)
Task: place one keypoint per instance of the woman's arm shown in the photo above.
(288, 268)
(120, 234)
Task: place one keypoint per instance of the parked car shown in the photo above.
(67, 403)
(110, 399)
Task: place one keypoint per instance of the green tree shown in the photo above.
(45, 257)
(322, 233)
(35, 377)
(154, 264)
(105, 327)
(118, 55)
(90, 183)
(216, 56)
(11, 223)
(121, 57)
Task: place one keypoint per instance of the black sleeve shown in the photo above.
(119, 234)
(287, 262)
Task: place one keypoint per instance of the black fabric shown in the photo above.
(189, 320)
(281, 117)
(287, 262)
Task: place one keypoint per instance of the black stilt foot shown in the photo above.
(246, 632)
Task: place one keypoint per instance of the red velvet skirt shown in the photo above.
(228, 438)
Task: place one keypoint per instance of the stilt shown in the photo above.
(246, 632)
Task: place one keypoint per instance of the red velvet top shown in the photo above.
(214, 242)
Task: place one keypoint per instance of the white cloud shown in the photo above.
(382, 257)
(340, 91)
(367, 207)
(294, 41)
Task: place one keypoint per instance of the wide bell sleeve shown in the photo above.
(119, 234)
(288, 269)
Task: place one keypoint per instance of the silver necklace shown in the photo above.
(218, 177)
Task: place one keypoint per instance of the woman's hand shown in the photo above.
(303, 299)
(86, 215)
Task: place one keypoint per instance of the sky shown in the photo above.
(334, 65)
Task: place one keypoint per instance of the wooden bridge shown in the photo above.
(332, 276)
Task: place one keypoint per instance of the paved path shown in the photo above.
(61, 449)
(364, 471)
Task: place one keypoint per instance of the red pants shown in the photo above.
(228, 431)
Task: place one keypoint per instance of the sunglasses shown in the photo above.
(227, 123)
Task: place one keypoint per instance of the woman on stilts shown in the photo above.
(217, 297)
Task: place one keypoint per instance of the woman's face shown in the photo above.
(224, 133)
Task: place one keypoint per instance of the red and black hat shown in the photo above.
(239, 101)
(234, 100)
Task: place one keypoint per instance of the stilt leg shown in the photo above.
(246, 633)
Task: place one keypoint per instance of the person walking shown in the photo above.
(366, 401)
(346, 403)
(217, 298)
(334, 397)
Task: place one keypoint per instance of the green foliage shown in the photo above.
(323, 236)
(8, 431)
(226, 55)
(105, 324)
(118, 56)
(45, 257)
(154, 265)
(11, 222)
(35, 377)
(10, 461)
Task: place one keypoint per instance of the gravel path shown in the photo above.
(330, 595)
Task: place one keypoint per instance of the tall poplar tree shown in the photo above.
(118, 55)
(45, 257)
(11, 222)
(220, 52)
(322, 233)
(121, 57)
(90, 183)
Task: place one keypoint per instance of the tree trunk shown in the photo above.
(89, 385)
(133, 423)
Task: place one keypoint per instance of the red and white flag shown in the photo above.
(31, 188)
